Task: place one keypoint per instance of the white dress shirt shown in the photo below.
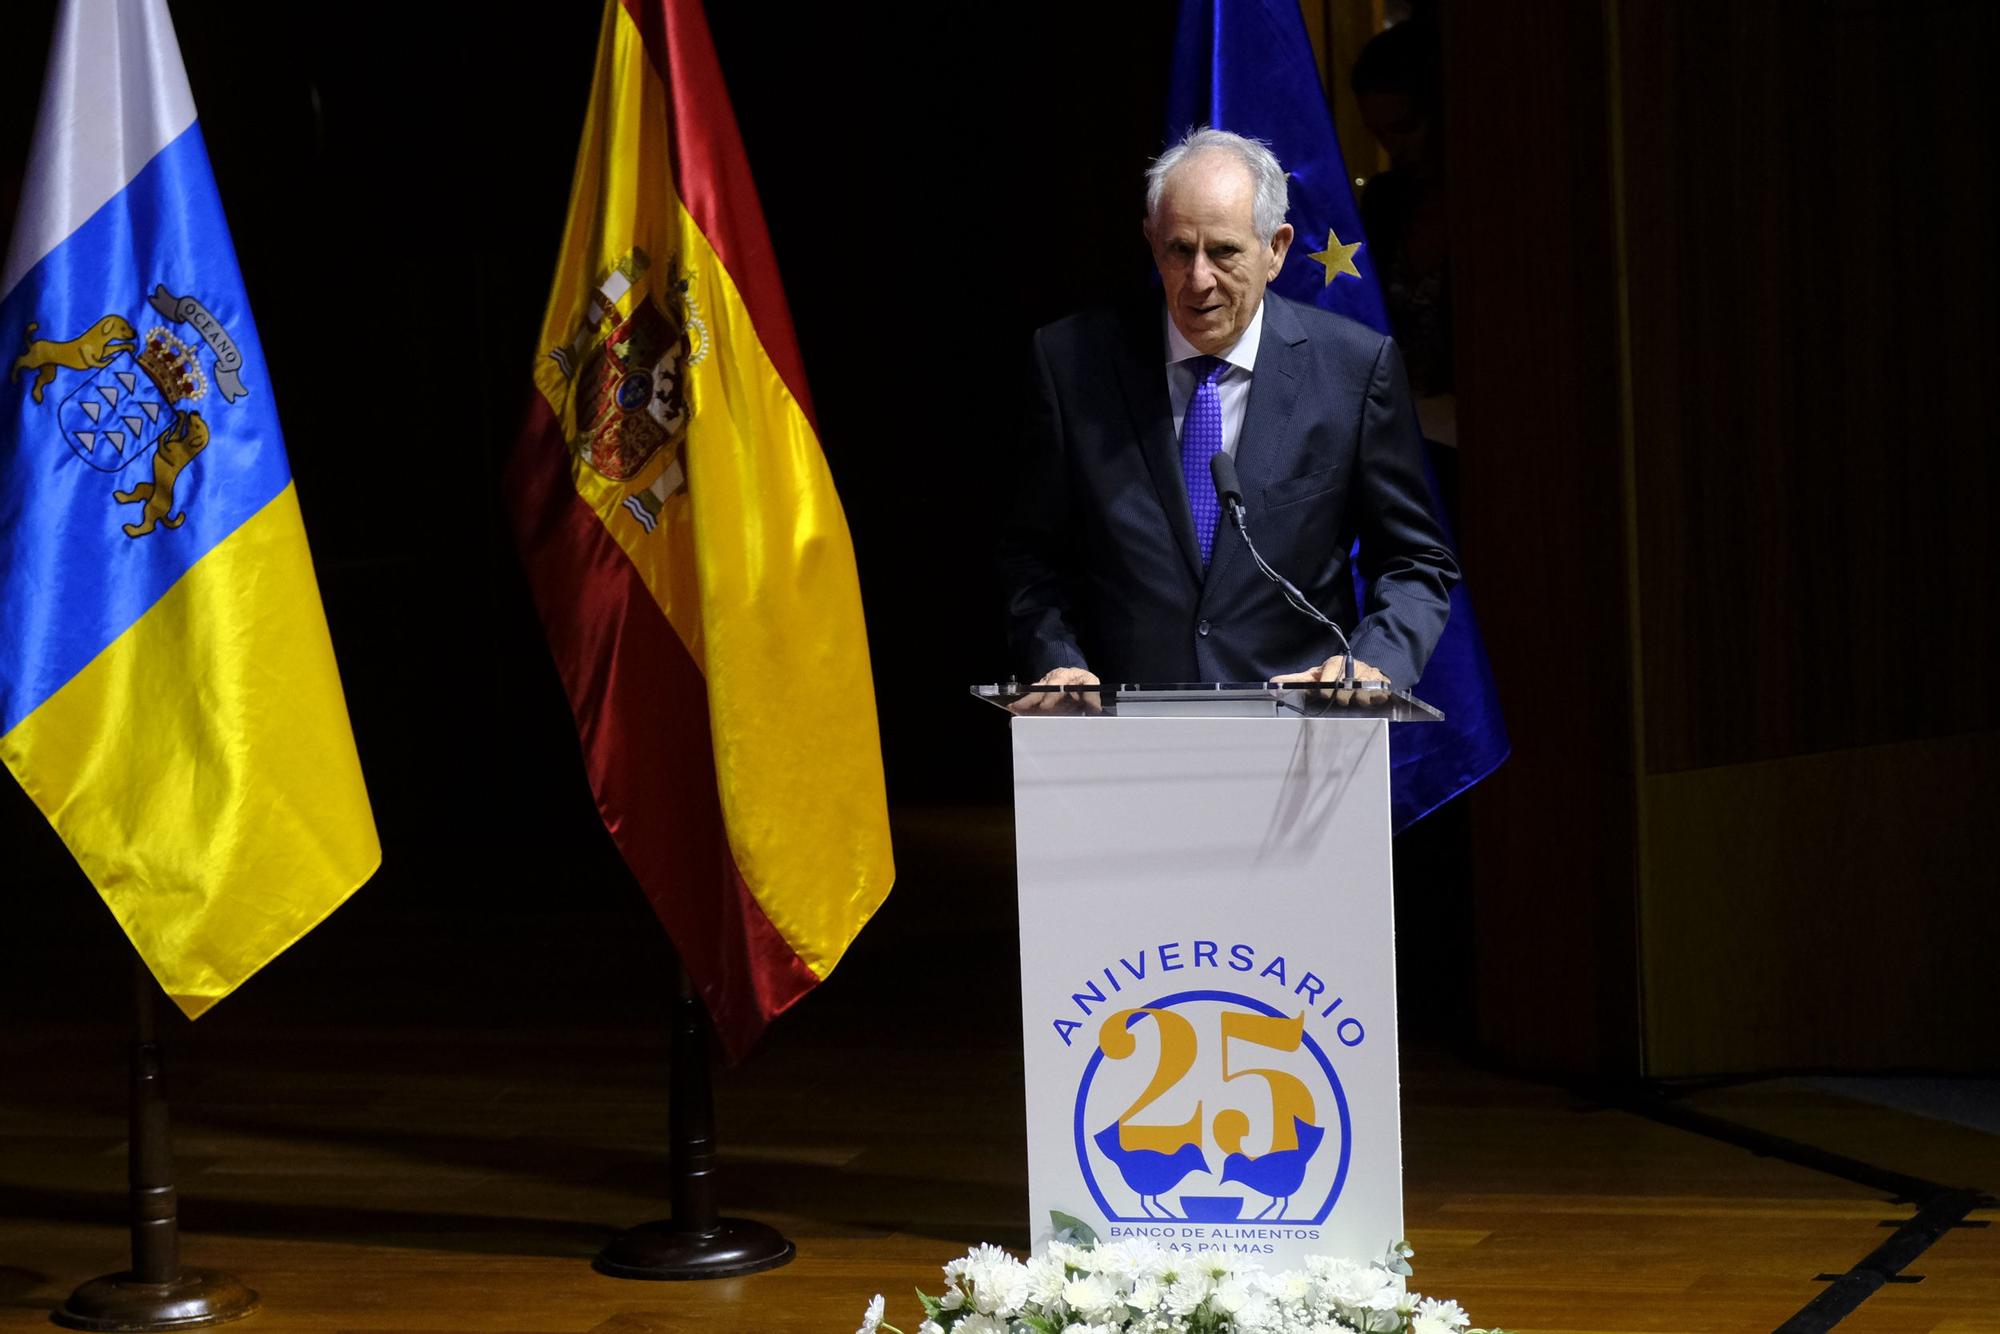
(1232, 386)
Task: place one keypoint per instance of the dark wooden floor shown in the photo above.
(429, 1121)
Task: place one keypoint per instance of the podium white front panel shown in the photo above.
(1208, 982)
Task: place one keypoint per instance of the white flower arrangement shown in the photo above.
(1078, 1286)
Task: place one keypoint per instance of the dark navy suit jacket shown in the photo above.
(1100, 559)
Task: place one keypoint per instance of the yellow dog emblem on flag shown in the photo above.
(91, 350)
(187, 438)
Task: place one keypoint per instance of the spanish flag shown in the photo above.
(685, 547)
(168, 695)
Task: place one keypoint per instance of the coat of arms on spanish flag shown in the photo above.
(686, 550)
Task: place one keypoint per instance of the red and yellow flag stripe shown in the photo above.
(714, 653)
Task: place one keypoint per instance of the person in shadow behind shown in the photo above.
(1398, 82)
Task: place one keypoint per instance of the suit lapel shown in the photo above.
(1142, 377)
(1265, 448)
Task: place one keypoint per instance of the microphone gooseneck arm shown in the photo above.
(1230, 492)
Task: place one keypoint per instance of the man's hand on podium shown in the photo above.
(1061, 701)
(1334, 670)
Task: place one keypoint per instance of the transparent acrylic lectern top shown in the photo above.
(1214, 699)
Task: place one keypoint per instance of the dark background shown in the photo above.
(396, 178)
(1726, 325)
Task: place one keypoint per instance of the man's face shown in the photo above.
(1207, 250)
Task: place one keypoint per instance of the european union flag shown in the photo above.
(1247, 66)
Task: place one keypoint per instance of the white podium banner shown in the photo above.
(1208, 982)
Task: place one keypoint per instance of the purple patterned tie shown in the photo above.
(1201, 439)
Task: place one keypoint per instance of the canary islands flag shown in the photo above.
(168, 695)
(1247, 66)
(685, 547)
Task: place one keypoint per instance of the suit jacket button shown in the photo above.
(1202, 629)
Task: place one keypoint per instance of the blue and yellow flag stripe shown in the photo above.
(168, 693)
(71, 580)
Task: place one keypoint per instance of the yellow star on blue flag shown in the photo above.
(1337, 259)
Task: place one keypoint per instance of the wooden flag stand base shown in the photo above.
(694, 1242)
(156, 1292)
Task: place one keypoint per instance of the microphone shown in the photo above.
(1222, 467)
(1228, 490)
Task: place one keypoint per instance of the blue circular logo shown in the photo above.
(1211, 1107)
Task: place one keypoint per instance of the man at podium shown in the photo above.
(1118, 560)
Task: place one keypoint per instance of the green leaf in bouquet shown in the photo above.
(1072, 1230)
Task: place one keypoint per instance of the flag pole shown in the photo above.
(156, 1292)
(693, 1241)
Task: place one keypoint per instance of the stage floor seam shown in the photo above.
(1940, 1208)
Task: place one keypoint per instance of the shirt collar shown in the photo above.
(1243, 352)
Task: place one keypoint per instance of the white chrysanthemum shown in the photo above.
(979, 1260)
(1358, 1291)
(1188, 1292)
(1386, 1297)
(1093, 1295)
(967, 1267)
(1448, 1311)
(1069, 1254)
(994, 1281)
(1260, 1315)
(1135, 1286)
(1344, 1282)
(1045, 1276)
(1122, 1262)
(872, 1318)
(1015, 1296)
(1232, 1294)
(1291, 1288)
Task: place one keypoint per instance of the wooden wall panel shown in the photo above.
(1810, 194)
(1832, 910)
(1727, 317)
(1543, 538)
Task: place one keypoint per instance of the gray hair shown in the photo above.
(1267, 208)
